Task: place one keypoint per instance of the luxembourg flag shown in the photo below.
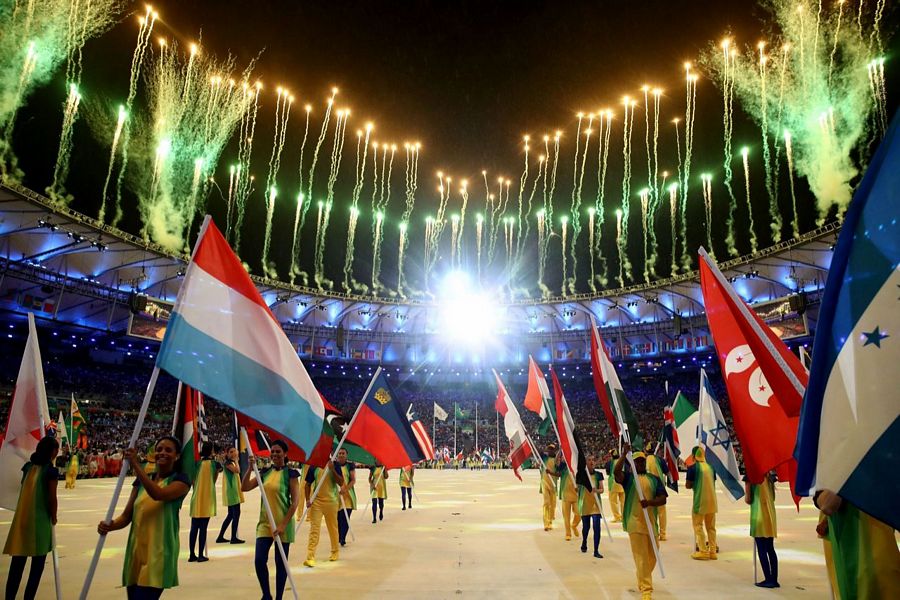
(849, 435)
(223, 340)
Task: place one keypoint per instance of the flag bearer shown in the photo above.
(378, 490)
(569, 496)
(406, 484)
(701, 478)
(72, 469)
(616, 491)
(30, 533)
(151, 553)
(232, 497)
(764, 527)
(654, 493)
(203, 502)
(324, 505)
(588, 507)
(657, 466)
(548, 486)
(281, 485)
(348, 494)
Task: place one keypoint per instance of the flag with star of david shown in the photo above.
(849, 436)
(716, 440)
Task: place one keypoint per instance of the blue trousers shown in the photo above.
(17, 569)
(261, 562)
(406, 492)
(586, 522)
(233, 518)
(768, 560)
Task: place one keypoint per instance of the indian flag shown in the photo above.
(537, 396)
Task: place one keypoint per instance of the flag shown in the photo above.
(519, 448)
(422, 437)
(333, 428)
(852, 404)
(185, 428)
(569, 442)
(439, 413)
(28, 415)
(382, 429)
(671, 447)
(459, 413)
(765, 424)
(61, 434)
(486, 455)
(537, 396)
(597, 370)
(716, 440)
(77, 426)
(611, 393)
(223, 340)
(686, 420)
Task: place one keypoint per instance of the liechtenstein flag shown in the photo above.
(381, 427)
(223, 340)
(849, 435)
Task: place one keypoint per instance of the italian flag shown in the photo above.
(537, 396)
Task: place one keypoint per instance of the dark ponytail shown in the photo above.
(43, 454)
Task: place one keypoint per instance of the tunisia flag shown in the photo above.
(766, 416)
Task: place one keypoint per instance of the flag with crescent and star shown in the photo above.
(849, 438)
(766, 428)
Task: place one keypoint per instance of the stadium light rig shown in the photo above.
(467, 316)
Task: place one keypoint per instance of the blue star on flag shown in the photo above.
(874, 337)
(721, 430)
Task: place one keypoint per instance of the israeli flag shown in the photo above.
(716, 441)
(849, 435)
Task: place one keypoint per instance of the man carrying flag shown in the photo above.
(656, 466)
(848, 443)
(519, 444)
(537, 398)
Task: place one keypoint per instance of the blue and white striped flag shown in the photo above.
(849, 436)
(716, 440)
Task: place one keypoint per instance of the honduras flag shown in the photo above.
(849, 435)
(715, 439)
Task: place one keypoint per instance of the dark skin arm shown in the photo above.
(248, 481)
(233, 468)
(655, 501)
(748, 493)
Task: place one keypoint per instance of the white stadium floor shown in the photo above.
(474, 535)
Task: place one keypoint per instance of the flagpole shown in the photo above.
(433, 424)
(338, 448)
(476, 426)
(118, 488)
(650, 531)
(177, 408)
(455, 411)
(268, 507)
(55, 556)
(497, 455)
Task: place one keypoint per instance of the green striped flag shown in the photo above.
(77, 426)
(185, 428)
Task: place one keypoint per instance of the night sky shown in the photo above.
(467, 79)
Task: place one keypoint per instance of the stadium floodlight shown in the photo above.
(467, 316)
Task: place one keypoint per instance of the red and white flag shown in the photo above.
(760, 374)
(519, 448)
(28, 416)
(422, 437)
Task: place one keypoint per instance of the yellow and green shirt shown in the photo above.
(567, 491)
(632, 515)
(763, 522)
(406, 477)
(704, 487)
(865, 555)
(350, 495)
(203, 498)
(548, 482)
(587, 501)
(378, 474)
(30, 533)
(231, 487)
(276, 483)
(151, 554)
(328, 493)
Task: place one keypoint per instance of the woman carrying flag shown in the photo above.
(325, 505)
(281, 486)
(378, 490)
(569, 496)
(31, 530)
(588, 508)
(151, 553)
(701, 478)
(232, 497)
(203, 501)
(764, 527)
(657, 466)
(406, 484)
(548, 487)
